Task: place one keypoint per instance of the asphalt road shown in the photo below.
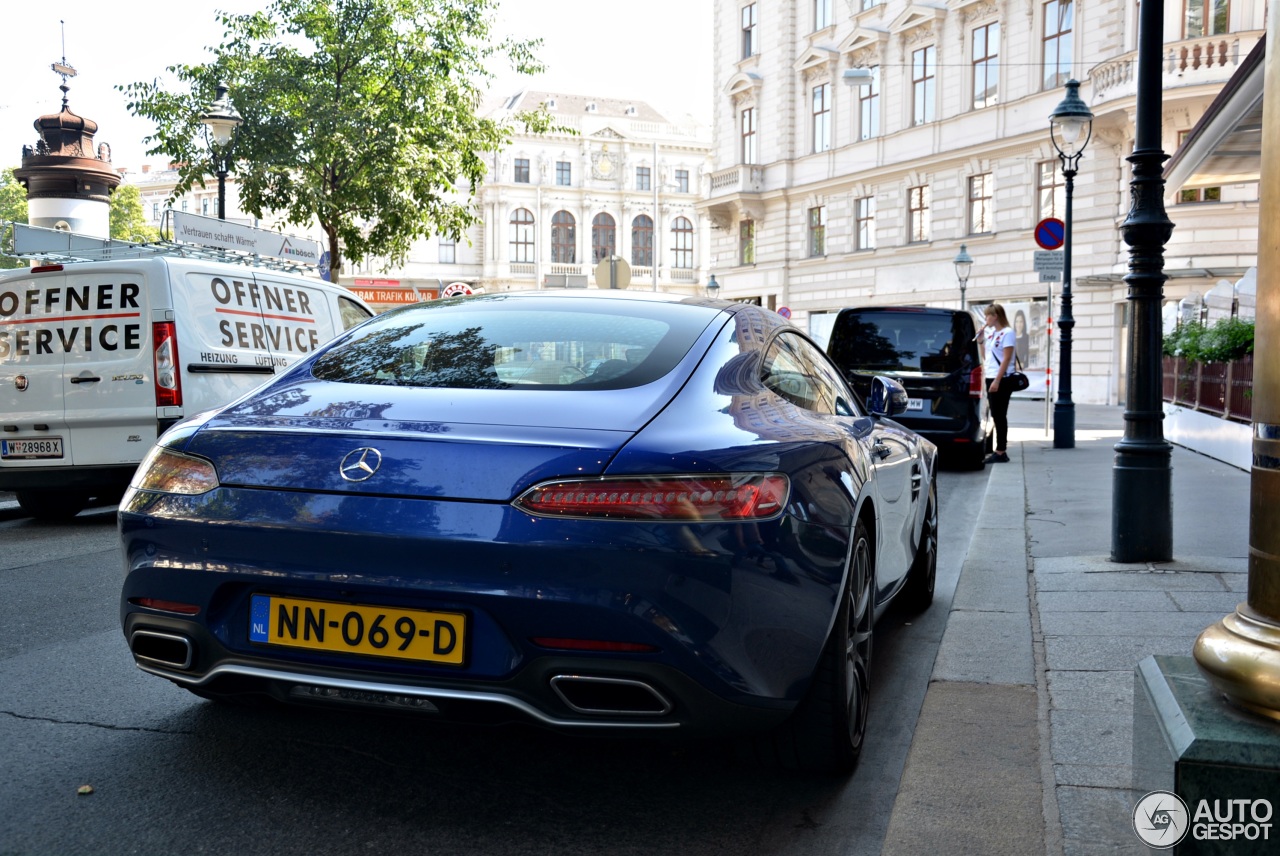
(173, 774)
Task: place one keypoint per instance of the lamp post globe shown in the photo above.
(713, 288)
(964, 264)
(221, 121)
(1070, 129)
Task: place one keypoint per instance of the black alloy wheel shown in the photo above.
(917, 594)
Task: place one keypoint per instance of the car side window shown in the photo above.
(797, 370)
(351, 313)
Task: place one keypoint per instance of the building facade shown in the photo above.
(858, 144)
(619, 180)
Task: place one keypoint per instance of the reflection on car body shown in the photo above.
(687, 523)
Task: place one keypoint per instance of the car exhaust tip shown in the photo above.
(168, 649)
(601, 696)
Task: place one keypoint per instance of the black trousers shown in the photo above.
(998, 401)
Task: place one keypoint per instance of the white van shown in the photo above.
(98, 358)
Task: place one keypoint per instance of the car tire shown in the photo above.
(827, 730)
(52, 505)
(917, 594)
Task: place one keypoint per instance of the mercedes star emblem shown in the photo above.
(360, 464)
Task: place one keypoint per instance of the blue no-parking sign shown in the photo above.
(1051, 233)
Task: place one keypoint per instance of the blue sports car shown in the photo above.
(594, 511)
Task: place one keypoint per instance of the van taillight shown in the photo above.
(975, 383)
(168, 379)
(46, 268)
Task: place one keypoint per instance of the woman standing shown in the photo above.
(999, 342)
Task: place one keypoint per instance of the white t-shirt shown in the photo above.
(995, 342)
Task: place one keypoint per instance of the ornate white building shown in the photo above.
(827, 193)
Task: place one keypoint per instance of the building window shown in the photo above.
(682, 181)
(184, 206)
(980, 204)
(821, 14)
(204, 206)
(1051, 193)
(865, 215)
(603, 238)
(642, 241)
(522, 235)
(924, 64)
(155, 210)
(868, 4)
(1199, 194)
(986, 64)
(822, 117)
(1207, 17)
(1058, 15)
(747, 242)
(818, 231)
(682, 242)
(749, 135)
(448, 251)
(918, 214)
(748, 31)
(643, 178)
(869, 107)
(564, 238)
(564, 173)
(522, 170)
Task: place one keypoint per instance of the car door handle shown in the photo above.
(881, 450)
(85, 379)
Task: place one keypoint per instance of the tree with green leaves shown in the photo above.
(13, 207)
(128, 218)
(359, 115)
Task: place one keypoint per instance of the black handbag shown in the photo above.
(1016, 379)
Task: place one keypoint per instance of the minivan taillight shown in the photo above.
(168, 379)
(975, 383)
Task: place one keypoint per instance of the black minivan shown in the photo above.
(933, 353)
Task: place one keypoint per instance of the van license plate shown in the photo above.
(49, 447)
(915, 404)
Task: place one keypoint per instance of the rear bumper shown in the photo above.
(115, 477)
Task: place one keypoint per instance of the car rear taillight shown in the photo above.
(748, 496)
(975, 383)
(168, 378)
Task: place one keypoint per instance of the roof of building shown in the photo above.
(569, 105)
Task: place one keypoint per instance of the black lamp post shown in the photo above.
(713, 288)
(221, 121)
(1070, 128)
(1142, 479)
(964, 263)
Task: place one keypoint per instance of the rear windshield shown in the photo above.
(492, 343)
(905, 341)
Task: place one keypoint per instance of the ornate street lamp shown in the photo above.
(1070, 128)
(713, 288)
(221, 121)
(964, 264)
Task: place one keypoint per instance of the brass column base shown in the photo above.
(1240, 657)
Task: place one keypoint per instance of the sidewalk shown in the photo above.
(1024, 743)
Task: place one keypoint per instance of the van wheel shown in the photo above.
(52, 505)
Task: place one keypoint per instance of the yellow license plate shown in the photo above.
(378, 631)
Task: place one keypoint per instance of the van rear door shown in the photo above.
(108, 370)
(33, 431)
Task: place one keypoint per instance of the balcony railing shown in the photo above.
(1208, 59)
(744, 178)
(571, 270)
(684, 275)
(523, 269)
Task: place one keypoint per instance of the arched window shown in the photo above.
(642, 241)
(603, 238)
(522, 235)
(682, 242)
(564, 240)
